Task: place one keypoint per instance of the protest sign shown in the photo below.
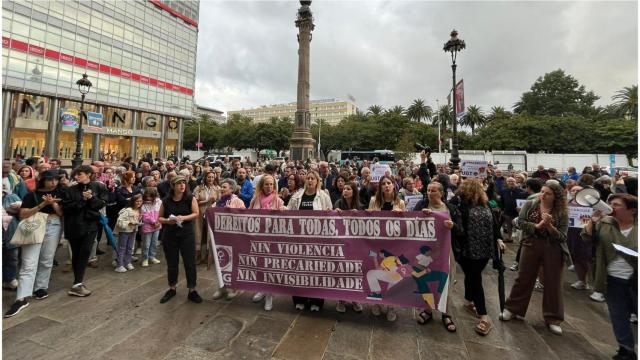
(474, 168)
(410, 201)
(69, 117)
(94, 121)
(379, 170)
(579, 216)
(520, 203)
(370, 257)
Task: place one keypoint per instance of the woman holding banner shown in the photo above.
(386, 199)
(435, 201)
(544, 222)
(311, 198)
(228, 199)
(265, 196)
(479, 241)
(206, 193)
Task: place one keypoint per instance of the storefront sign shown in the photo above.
(112, 131)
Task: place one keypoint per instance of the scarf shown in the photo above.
(223, 200)
(266, 200)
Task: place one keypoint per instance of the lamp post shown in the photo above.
(83, 86)
(454, 45)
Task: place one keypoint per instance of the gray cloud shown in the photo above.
(389, 53)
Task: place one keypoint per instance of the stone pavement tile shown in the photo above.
(27, 349)
(95, 310)
(521, 337)
(167, 332)
(441, 352)
(312, 330)
(251, 348)
(393, 341)
(187, 352)
(434, 335)
(216, 334)
(495, 338)
(13, 336)
(339, 356)
(272, 329)
(479, 351)
(571, 345)
(352, 335)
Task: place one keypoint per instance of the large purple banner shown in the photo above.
(379, 257)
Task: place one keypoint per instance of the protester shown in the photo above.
(435, 201)
(177, 213)
(206, 194)
(227, 199)
(245, 187)
(338, 185)
(266, 197)
(312, 198)
(480, 239)
(150, 228)
(544, 224)
(579, 250)
(386, 199)
(616, 273)
(126, 227)
(37, 259)
(81, 204)
(10, 217)
(292, 185)
(408, 188)
(508, 203)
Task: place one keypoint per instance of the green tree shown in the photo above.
(375, 110)
(445, 113)
(398, 109)
(498, 112)
(627, 102)
(556, 94)
(418, 111)
(473, 118)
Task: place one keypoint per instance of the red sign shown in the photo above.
(199, 145)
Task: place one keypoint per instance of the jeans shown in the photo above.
(37, 261)
(150, 243)
(473, 290)
(622, 301)
(81, 249)
(125, 248)
(9, 264)
(173, 247)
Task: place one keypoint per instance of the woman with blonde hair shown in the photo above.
(479, 243)
(544, 222)
(207, 194)
(266, 196)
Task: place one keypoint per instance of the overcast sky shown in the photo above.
(390, 53)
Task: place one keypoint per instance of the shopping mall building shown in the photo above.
(139, 55)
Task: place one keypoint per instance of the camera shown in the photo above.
(419, 148)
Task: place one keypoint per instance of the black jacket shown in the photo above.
(426, 172)
(457, 232)
(80, 215)
(508, 199)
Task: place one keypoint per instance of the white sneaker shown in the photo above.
(538, 286)
(634, 318)
(556, 329)
(268, 303)
(257, 297)
(340, 307)
(114, 263)
(219, 294)
(134, 258)
(506, 315)
(138, 252)
(596, 296)
(145, 263)
(579, 285)
(230, 294)
(300, 307)
(154, 261)
(572, 268)
(514, 266)
(391, 314)
(315, 308)
(120, 269)
(130, 267)
(357, 307)
(375, 310)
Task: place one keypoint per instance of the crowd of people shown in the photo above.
(152, 203)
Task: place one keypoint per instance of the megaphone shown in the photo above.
(591, 198)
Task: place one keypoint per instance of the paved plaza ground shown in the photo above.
(123, 319)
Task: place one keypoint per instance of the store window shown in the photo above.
(115, 147)
(172, 125)
(27, 143)
(118, 118)
(147, 146)
(30, 107)
(69, 104)
(149, 122)
(170, 146)
(67, 145)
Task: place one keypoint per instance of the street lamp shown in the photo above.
(83, 86)
(454, 45)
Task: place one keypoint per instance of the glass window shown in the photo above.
(56, 7)
(30, 107)
(20, 29)
(6, 25)
(37, 34)
(27, 142)
(16, 65)
(116, 117)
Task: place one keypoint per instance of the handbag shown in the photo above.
(30, 230)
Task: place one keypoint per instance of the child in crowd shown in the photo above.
(150, 226)
(126, 226)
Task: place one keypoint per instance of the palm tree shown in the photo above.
(473, 118)
(444, 116)
(627, 101)
(418, 111)
(498, 112)
(397, 110)
(375, 110)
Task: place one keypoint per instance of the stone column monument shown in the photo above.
(302, 144)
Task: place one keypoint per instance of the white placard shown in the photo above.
(474, 168)
(379, 170)
(410, 201)
(520, 203)
(579, 216)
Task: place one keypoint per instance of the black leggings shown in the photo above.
(173, 247)
(80, 252)
(473, 290)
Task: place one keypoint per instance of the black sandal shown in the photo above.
(447, 321)
(424, 317)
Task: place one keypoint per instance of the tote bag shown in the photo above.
(30, 230)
